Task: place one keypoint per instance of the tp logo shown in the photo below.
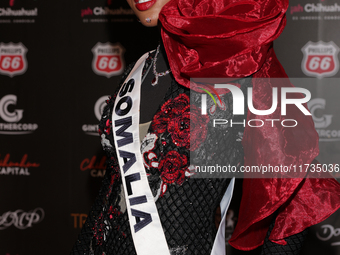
(320, 59)
(323, 121)
(13, 59)
(108, 59)
(5, 114)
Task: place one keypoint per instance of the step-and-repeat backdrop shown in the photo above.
(59, 61)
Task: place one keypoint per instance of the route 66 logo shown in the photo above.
(13, 59)
(108, 59)
(320, 59)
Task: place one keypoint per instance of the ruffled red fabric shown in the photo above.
(219, 38)
(233, 39)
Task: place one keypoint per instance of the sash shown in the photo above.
(219, 243)
(147, 232)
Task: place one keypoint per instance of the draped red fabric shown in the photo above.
(219, 38)
(233, 39)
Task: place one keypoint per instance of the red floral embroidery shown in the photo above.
(169, 110)
(173, 168)
(182, 125)
(181, 131)
(176, 106)
(175, 116)
(179, 128)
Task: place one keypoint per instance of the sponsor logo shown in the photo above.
(312, 7)
(18, 12)
(108, 59)
(322, 121)
(21, 219)
(320, 59)
(78, 219)
(93, 13)
(296, 8)
(319, 7)
(12, 117)
(8, 167)
(105, 11)
(92, 129)
(315, 11)
(95, 166)
(15, 14)
(327, 232)
(13, 59)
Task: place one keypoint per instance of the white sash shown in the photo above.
(147, 232)
(219, 243)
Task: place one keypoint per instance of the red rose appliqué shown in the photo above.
(169, 110)
(190, 124)
(173, 168)
(176, 116)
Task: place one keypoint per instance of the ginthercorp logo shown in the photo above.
(92, 129)
(320, 59)
(13, 59)
(108, 59)
(329, 233)
(238, 106)
(21, 219)
(322, 120)
(11, 167)
(96, 166)
(12, 116)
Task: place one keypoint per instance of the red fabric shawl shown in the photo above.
(233, 39)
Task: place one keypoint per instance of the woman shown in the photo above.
(150, 201)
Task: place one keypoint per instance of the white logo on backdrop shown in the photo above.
(12, 116)
(92, 129)
(5, 114)
(323, 121)
(328, 231)
(13, 59)
(320, 59)
(316, 104)
(108, 59)
(21, 219)
(99, 106)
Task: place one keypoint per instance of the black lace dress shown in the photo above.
(186, 205)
